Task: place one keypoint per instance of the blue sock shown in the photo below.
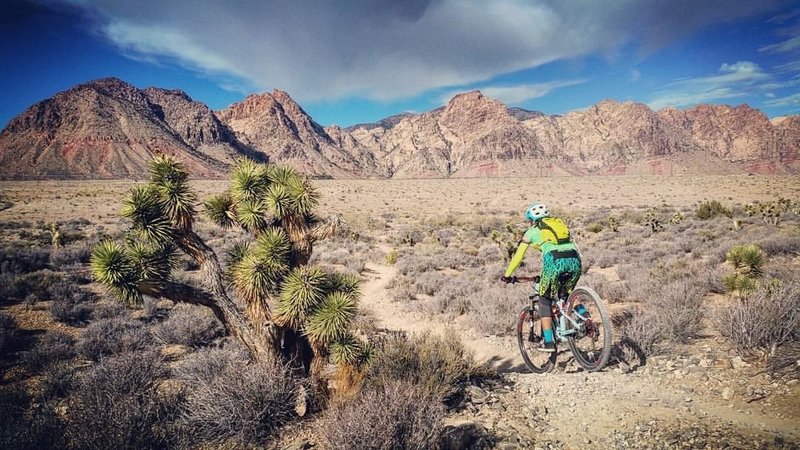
(548, 335)
(580, 309)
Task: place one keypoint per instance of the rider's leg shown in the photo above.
(546, 314)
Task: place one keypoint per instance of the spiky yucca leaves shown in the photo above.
(113, 267)
(346, 283)
(237, 253)
(169, 179)
(220, 209)
(349, 350)
(252, 215)
(330, 321)
(302, 290)
(144, 208)
(151, 262)
(249, 180)
(257, 276)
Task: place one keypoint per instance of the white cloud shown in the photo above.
(739, 79)
(512, 95)
(388, 49)
(790, 100)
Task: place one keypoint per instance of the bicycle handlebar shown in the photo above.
(534, 279)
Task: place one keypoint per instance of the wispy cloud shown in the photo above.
(739, 79)
(388, 49)
(790, 100)
(514, 95)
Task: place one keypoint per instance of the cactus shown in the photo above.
(676, 218)
(651, 220)
(613, 224)
(55, 235)
(275, 205)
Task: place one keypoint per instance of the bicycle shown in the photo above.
(588, 336)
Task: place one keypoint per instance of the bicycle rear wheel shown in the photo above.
(591, 342)
(529, 337)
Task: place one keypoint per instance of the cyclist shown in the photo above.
(560, 260)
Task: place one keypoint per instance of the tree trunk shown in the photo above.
(260, 341)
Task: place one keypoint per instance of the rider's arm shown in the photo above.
(517, 258)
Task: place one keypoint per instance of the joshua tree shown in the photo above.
(269, 298)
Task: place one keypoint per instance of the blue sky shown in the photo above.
(362, 60)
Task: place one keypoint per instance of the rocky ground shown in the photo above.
(697, 396)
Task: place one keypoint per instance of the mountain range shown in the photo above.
(108, 128)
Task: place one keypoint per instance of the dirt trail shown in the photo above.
(574, 409)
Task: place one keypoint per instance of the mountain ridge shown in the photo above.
(108, 128)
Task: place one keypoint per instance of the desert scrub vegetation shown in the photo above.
(436, 365)
(229, 400)
(765, 317)
(188, 325)
(394, 415)
(408, 385)
(116, 404)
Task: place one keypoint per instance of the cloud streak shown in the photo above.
(388, 50)
(739, 79)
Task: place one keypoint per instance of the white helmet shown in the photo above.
(536, 212)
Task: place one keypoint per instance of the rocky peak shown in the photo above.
(472, 112)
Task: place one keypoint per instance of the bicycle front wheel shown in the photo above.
(591, 342)
(529, 337)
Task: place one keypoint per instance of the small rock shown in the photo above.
(727, 393)
(476, 394)
(738, 363)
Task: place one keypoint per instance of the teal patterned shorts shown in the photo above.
(554, 264)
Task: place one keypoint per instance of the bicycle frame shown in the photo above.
(560, 317)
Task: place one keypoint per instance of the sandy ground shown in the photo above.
(358, 200)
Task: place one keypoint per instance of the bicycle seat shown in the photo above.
(564, 277)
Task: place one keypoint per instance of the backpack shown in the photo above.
(556, 227)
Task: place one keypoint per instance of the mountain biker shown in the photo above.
(560, 260)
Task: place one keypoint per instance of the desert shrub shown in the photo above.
(113, 336)
(670, 313)
(769, 315)
(70, 255)
(710, 209)
(784, 361)
(188, 325)
(54, 346)
(780, 245)
(116, 404)
(68, 302)
(19, 260)
(33, 285)
(435, 364)
(428, 283)
(391, 257)
(415, 264)
(7, 327)
(444, 236)
(493, 310)
(27, 425)
(355, 265)
(57, 379)
(108, 309)
(594, 227)
(454, 295)
(230, 400)
(395, 415)
(402, 289)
